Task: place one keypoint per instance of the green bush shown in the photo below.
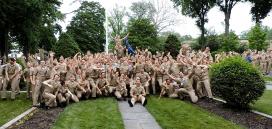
(237, 82)
(22, 62)
(230, 42)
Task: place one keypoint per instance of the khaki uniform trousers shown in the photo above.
(190, 92)
(137, 98)
(37, 90)
(207, 88)
(120, 93)
(2, 85)
(13, 83)
(50, 99)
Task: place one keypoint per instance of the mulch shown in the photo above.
(39, 119)
(245, 118)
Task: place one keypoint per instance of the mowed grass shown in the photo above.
(102, 113)
(264, 104)
(10, 109)
(267, 78)
(176, 114)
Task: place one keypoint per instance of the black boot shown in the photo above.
(130, 103)
(145, 102)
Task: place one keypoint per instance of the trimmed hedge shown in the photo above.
(237, 82)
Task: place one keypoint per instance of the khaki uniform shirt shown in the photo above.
(137, 90)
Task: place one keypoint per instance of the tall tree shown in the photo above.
(256, 38)
(260, 9)
(142, 10)
(66, 46)
(226, 7)
(159, 12)
(116, 20)
(196, 9)
(23, 19)
(87, 27)
(172, 45)
(143, 34)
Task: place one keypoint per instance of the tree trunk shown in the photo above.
(2, 44)
(202, 28)
(227, 24)
(6, 45)
(26, 48)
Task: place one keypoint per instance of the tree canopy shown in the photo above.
(172, 45)
(256, 38)
(143, 34)
(66, 46)
(196, 9)
(87, 27)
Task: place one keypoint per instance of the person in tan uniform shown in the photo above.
(74, 89)
(203, 82)
(119, 49)
(41, 74)
(12, 76)
(121, 90)
(137, 94)
(263, 63)
(185, 86)
(167, 88)
(2, 77)
(28, 78)
(92, 76)
(64, 95)
(145, 79)
(102, 84)
(51, 88)
(85, 84)
(148, 67)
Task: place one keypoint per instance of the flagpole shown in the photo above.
(106, 28)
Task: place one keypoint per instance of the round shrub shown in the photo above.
(237, 82)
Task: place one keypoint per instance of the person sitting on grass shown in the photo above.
(137, 94)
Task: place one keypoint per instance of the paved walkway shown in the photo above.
(137, 117)
(269, 86)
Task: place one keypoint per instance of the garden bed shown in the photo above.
(245, 118)
(40, 119)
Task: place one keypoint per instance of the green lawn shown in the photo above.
(10, 109)
(267, 78)
(264, 104)
(176, 114)
(101, 113)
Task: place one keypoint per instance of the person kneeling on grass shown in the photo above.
(137, 94)
(51, 88)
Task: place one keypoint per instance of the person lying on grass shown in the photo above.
(137, 94)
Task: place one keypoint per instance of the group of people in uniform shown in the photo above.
(58, 82)
(260, 59)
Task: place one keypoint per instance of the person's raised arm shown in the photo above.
(125, 36)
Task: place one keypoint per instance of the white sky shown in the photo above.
(240, 18)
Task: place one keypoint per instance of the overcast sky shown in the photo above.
(240, 18)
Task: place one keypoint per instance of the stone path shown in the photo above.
(137, 117)
(269, 86)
